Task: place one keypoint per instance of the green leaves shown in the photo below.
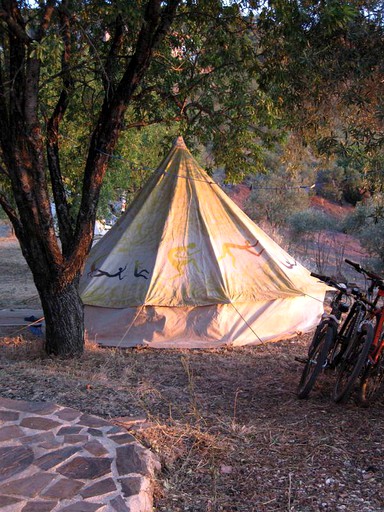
(233, 76)
(336, 15)
(322, 65)
(49, 49)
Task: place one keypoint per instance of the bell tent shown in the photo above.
(185, 267)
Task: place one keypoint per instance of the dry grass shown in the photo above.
(230, 433)
(227, 425)
(17, 288)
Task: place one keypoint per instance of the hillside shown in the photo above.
(323, 251)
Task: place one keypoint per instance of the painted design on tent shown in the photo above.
(182, 256)
(193, 278)
(227, 250)
(140, 273)
(98, 272)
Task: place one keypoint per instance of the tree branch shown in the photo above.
(12, 215)
(58, 189)
(142, 124)
(33, 70)
(22, 146)
(11, 15)
(17, 40)
(46, 19)
(60, 73)
(111, 62)
(4, 120)
(156, 24)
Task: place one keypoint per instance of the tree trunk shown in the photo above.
(64, 320)
(55, 262)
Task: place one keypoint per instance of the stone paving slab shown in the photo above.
(57, 459)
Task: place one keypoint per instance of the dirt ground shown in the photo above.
(226, 424)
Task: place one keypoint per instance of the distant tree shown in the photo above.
(367, 222)
(282, 190)
(310, 221)
(326, 71)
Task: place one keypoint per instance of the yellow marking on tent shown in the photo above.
(227, 246)
(182, 256)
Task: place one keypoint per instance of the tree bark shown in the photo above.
(56, 266)
(64, 321)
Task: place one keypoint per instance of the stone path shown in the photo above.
(57, 459)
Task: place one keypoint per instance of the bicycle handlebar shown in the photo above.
(330, 281)
(361, 270)
(355, 292)
(356, 266)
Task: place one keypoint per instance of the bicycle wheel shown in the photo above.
(317, 358)
(371, 381)
(352, 364)
(347, 331)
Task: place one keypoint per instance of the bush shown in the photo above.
(328, 184)
(340, 183)
(367, 222)
(274, 198)
(310, 221)
(372, 239)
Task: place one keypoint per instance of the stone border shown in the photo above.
(57, 459)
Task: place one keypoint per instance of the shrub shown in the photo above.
(310, 221)
(372, 239)
(367, 222)
(274, 198)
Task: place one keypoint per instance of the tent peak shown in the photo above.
(179, 143)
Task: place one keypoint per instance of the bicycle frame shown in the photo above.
(377, 344)
(352, 312)
(374, 312)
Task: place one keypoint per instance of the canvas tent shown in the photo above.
(185, 267)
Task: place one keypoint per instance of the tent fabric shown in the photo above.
(185, 266)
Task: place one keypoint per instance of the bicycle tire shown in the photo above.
(346, 332)
(352, 364)
(371, 381)
(317, 357)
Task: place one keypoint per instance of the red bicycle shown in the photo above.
(372, 377)
(370, 362)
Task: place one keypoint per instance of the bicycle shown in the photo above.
(354, 361)
(372, 376)
(329, 342)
